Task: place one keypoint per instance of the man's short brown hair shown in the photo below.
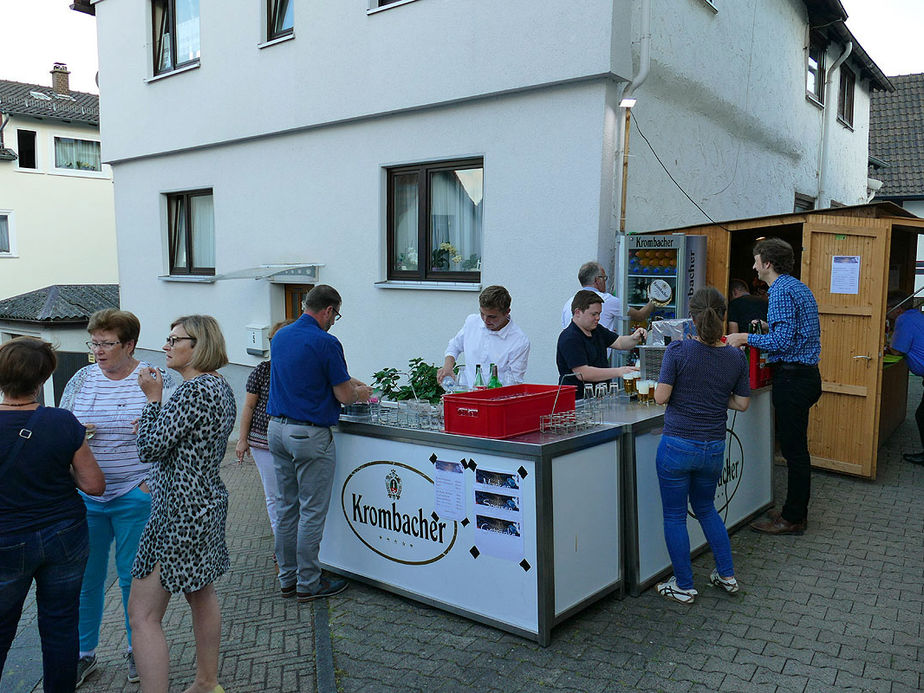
(496, 297)
(584, 299)
(777, 252)
(320, 297)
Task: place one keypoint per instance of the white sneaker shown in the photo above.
(671, 590)
(730, 585)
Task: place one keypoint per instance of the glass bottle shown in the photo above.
(494, 381)
(479, 379)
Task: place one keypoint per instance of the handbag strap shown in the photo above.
(24, 434)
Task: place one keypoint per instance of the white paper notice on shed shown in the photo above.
(449, 490)
(845, 274)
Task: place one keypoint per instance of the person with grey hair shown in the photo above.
(308, 383)
(592, 277)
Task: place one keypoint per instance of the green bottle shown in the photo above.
(479, 380)
(494, 381)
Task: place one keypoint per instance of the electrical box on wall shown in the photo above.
(257, 340)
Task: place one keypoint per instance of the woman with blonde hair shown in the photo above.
(700, 380)
(183, 545)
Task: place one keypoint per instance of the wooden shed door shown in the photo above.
(843, 427)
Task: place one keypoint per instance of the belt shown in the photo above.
(296, 422)
(795, 366)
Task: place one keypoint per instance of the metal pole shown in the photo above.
(625, 175)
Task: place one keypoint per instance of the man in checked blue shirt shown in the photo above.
(793, 346)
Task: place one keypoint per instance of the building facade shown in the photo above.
(410, 153)
(57, 219)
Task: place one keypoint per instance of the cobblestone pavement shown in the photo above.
(840, 608)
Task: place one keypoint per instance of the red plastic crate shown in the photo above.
(504, 412)
(761, 376)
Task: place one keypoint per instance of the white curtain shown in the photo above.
(4, 234)
(202, 215)
(406, 252)
(187, 31)
(79, 155)
(456, 206)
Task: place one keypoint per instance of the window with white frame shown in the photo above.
(6, 233)
(815, 69)
(191, 232)
(435, 221)
(175, 25)
(845, 96)
(280, 19)
(77, 155)
(25, 149)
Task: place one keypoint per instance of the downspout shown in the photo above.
(622, 139)
(3, 124)
(827, 119)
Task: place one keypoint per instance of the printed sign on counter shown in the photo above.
(498, 520)
(449, 489)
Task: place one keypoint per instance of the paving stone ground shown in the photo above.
(840, 608)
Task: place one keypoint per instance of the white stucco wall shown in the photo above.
(63, 222)
(543, 191)
(342, 64)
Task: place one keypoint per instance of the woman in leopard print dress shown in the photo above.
(183, 545)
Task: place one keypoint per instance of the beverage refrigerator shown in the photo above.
(668, 268)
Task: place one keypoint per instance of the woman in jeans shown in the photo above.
(700, 380)
(44, 458)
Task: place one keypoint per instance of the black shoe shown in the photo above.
(914, 458)
(85, 667)
(328, 587)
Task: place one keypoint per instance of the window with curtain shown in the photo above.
(191, 232)
(176, 34)
(77, 155)
(280, 20)
(845, 96)
(435, 221)
(5, 245)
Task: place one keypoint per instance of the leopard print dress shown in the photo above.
(186, 439)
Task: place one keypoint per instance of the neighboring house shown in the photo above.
(58, 314)
(411, 152)
(896, 145)
(57, 218)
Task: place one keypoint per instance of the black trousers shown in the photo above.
(795, 390)
(919, 417)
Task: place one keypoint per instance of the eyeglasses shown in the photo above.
(106, 346)
(173, 340)
(337, 315)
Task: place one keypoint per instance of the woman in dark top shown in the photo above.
(44, 458)
(700, 380)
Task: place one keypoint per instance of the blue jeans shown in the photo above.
(689, 470)
(122, 519)
(55, 557)
(304, 459)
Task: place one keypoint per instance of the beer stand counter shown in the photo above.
(524, 532)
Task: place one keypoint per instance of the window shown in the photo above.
(191, 232)
(845, 96)
(25, 141)
(279, 18)
(803, 203)
(77, 155)
(435, 221)
(815, 74)
(176, 34)
(6, 241)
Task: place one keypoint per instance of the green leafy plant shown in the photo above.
(421, 384)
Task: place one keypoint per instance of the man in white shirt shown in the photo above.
(489, 337)
(593, 277)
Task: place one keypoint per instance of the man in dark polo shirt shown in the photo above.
(744, 307)
(308, 382)
(581, 355)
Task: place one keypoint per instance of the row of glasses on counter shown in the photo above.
(634, 384)
(409, 414)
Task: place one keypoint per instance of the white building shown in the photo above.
(357, 137)
(57, 219)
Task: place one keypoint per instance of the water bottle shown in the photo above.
(494, 381)
(479, 379)
(449, 384)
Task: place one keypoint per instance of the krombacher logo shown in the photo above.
(391, 513)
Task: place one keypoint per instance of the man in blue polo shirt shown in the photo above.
(308, 383)
(793, 345)
(908, 340)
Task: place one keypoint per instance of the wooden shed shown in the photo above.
(862, 401)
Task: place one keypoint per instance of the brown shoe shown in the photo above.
(776, 514)
(778, 525)
(288, 592)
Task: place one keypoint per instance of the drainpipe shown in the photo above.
(622, 143)
(3, 124)
(827, 120)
